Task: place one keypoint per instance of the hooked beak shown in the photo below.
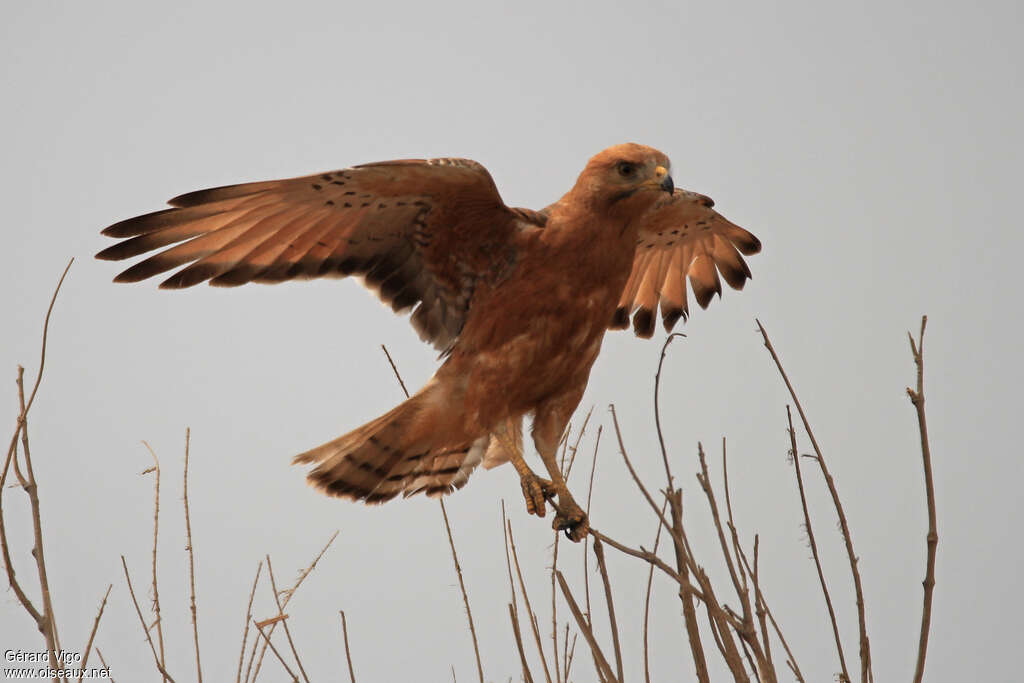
(662, 180)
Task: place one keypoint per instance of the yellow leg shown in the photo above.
(536, 491)
(549, 424)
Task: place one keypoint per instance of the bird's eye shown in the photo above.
(626, 169)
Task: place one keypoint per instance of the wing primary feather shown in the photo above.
(704, 280)
(730, 264)
(193, 249)
(260, 259)
(228, 255)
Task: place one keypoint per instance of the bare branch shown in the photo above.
(142, 621)
(636, 478)
(273, 649)
(657, 409)
(570, 653)
(675, 502)
(281, 616)
(92, 634)
(612, 621)
(45, 621)
(599, 657)
(519, 642)
(761, 611)
(814, 545)
(155, 469)
(526, 599)
(865, 644)
(462, 587)
(647, 597)
(451, 541)
(248, 618)
(288, 594)
(191, 560)
(791, 661)
(705, 484)
(395, 370)
(348, 652)
(586, 540)
(104, 662)
(917, 398)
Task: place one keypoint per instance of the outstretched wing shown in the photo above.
(420, 233)
(682, 237)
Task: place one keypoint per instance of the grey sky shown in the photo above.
(875, 149)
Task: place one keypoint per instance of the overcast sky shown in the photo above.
(874, 148)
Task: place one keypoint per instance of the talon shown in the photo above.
(573, 522)
(536, 491)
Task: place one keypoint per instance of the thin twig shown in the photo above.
(514, 605)
(23, 598)
(791, 661)
(92, 634)
(156, 534)
(647, 598)
(145, 630)
(761, 611)
(638, 481)
(917, 398)
(526, 599)
(46, 621)
(865, 644)
(462, 587)
(280, 613)
(705, 482)
(451, 541)
(613, 622)
(395, 370)
(586, 540)
(512, 613)
(570, 653)
(276, 653)
(288, 594)
(599, 657)
(657, 410)
(248, 618)
(191, 560)
(795, 454)
(675, 502)
(105, 665)
(651, 558)
(348, 652)
(728, 507)
(554, 612)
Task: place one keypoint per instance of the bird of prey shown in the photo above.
(517, 301)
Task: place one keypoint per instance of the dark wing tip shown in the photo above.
(643, 323)
(213, 194)
(141, 270)
(190, 276)
(736, 273)
(139, 225)
(746, 242)
(620, 319)
(111, 253)
(704, 296)
(671, 317)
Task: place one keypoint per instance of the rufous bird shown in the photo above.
(517, 301)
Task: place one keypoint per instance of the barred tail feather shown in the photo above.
(397, 453)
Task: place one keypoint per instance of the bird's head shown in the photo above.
(626, 178)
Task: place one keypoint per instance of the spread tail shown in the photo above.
(400, 452)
